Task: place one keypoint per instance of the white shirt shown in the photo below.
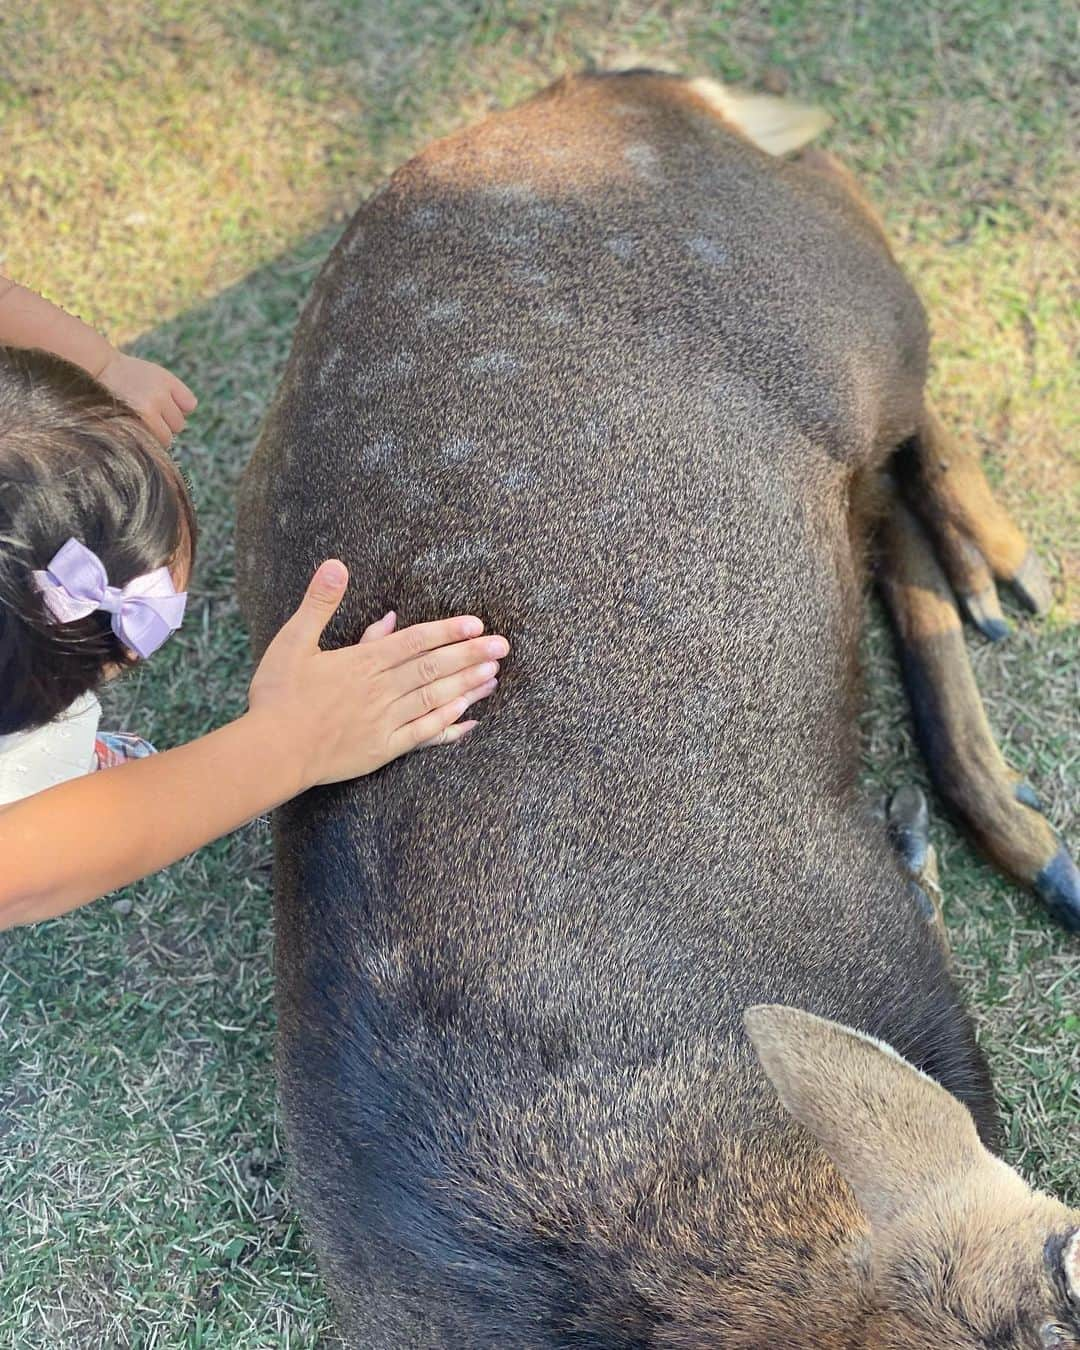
(31, 761)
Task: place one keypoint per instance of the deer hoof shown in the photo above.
(1031, 585)
(1058, 887)
(908, 819)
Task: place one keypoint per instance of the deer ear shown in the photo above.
(891, 1132)
(775, 125)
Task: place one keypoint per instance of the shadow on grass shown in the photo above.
(137, 1104)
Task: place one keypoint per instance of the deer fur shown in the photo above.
(607, 374)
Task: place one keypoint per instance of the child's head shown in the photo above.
(74, 463)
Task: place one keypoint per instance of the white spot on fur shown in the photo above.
(282, 518)
(524, 233)
(331, 364)
(516, 239)
(552, 595)
(377, 452)
(511, 193)
(348, 297)
(423, 218)
(494, 363)
(641, 157)
(551, 217)
(526, 207)
(451, 554)
(385, 969)
(529, 275)
(445, 311)
(515, 477)
(556, 317)
(405, 288)
(597, 431)
(621, 245)
(387, 370)
(458, 449)
(708, 250)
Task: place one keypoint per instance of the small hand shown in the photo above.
(347, 712)
(160, 399)
(382, 628)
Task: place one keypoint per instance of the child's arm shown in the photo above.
(29, 320)
(314, 717)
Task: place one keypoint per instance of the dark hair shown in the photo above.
(74, 463)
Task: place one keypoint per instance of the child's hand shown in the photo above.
(348, 712)
(315, 717)
(160, 399)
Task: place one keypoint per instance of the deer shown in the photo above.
(624, 1024)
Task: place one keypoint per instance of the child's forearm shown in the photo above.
(29, 320)
(64, 847)
(315, 716)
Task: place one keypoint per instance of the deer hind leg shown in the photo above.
(965, 763)
(907, 819)
(958, 518)
(973, 535)
(944, 483)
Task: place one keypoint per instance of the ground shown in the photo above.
(175, 170)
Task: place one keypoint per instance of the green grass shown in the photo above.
(175, 171)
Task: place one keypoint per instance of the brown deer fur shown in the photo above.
(605, 373)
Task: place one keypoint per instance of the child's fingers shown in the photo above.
(172, 416)
(480, 691)
(457, 730)
(436, 665)
(159, 427)
(409, 643)
(449, 735)
(380, 628)
(324, 594)
(184, 399)
(476, 683)
(428, 728)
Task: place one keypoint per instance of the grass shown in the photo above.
(175, 170)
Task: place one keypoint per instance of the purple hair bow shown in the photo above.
(145, 612)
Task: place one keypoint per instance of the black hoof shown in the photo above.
(909, 827)
(1058, 887)
(984, 611)
(1031, 585)
(1027, 796)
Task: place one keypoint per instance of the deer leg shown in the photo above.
(951, 725)
(908, 821)
(973, 536)
(944, 483)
